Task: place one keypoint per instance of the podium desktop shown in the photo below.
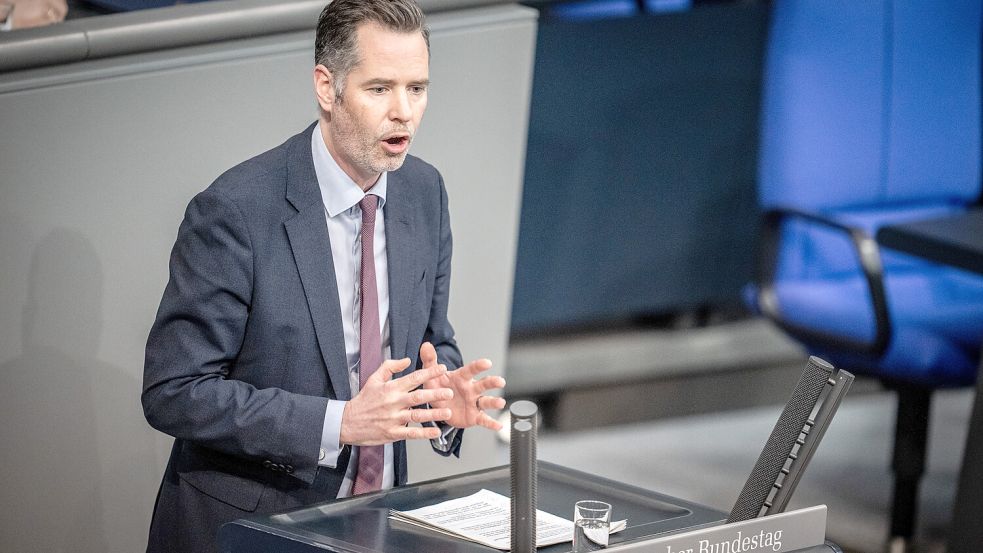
(361, 524)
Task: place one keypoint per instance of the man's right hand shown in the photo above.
(381, 410)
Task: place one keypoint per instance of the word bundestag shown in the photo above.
(741, 544)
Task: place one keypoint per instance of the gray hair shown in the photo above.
(336, 42)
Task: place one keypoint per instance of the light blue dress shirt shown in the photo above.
(341, 196)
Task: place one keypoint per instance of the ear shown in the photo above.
(324, 87)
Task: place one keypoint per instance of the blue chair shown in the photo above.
(871, 116)
(131, 5)
(590, 10)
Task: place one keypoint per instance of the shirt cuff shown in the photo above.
(445, 441)
(331, 434)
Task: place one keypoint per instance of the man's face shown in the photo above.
(369, 129)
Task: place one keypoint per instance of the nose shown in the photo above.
(401, 110)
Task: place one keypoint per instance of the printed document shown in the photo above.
(484, 517)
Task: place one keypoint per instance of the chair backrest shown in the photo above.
(870, 105)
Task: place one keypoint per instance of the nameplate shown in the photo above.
(787, 531)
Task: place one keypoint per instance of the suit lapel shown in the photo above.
(402, 249)
(311, 246)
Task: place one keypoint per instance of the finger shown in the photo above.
(427, 415)
(489, 402)
(440, 381)
(489, 383)
(428, 355)
(388, 368)
(60, 9)
(426, 395)
(488, 422)
(474, 368)
(416, 433)
(418, 377)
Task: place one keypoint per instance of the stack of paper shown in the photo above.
(484, 517)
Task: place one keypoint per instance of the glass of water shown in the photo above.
(591, 525)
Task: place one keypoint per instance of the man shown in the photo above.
(295, 276)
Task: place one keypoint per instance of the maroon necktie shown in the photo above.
(368, 477)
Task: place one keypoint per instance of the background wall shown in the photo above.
(99, 160)
(641, 167)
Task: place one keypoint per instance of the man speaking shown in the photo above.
(304, 325)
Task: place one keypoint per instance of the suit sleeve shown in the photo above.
(194, 343)
(439, 332)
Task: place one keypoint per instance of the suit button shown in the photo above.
(267, 464)
(289, 469)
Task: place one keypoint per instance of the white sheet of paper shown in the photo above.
(483, 517)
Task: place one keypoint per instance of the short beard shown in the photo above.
(362, 147)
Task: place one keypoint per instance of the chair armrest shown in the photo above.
(869, 255)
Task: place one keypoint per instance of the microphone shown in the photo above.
(793, 441)
(522, 470)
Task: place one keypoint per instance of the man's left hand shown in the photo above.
(468, 404)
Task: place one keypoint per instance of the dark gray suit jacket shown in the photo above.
(248, 345)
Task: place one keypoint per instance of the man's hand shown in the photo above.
(380, 411)
(467, 404)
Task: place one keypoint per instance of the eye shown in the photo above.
(418, 89)
(378, 90)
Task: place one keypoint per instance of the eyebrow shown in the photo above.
(390, 82)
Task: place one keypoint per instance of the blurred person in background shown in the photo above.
(23, 14)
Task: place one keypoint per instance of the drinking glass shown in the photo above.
(591, 525)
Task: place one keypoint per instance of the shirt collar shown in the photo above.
(338, 191)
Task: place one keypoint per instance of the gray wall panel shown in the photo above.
(99, 160)
(176, 26)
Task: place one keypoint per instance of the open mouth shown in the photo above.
(396, 144)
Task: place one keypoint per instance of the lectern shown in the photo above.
(361, 524)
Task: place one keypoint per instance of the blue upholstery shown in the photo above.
(667, 6)
(131, 5)
(589, 10)
(871, 116)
